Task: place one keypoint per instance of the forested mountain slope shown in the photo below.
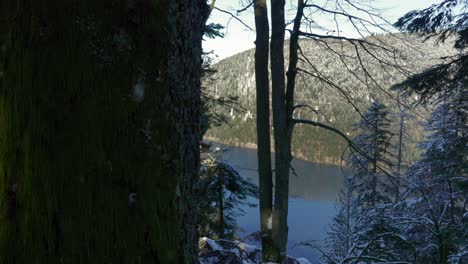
(344, 73)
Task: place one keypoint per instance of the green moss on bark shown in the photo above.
(75, 145)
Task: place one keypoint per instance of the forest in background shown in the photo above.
(235, 77)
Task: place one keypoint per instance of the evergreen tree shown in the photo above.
(363, 234)
(214, 107)
(341, 236)
(374, 139)
(445, 149)
(225, 190)
(363, 230)
(99, 114)
(442, 21)
(428, 223)
(434, 213)
(438, 181)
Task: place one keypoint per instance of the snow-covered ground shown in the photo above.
(235, 252)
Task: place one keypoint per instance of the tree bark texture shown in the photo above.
(282, 154)
(292, 70)
(263, 125)
(220, 189)
(99, 127)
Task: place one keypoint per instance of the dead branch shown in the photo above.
(235, 17)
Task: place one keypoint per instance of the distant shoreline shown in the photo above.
(253, 146)
(248, 145)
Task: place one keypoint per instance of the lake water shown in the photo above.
(313, 193)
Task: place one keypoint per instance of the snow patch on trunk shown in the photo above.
(138, 91)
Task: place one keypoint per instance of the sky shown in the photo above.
(239, 38)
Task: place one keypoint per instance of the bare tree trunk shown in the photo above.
(100, 130)
(452, 202)
(220, 206)
(442, 248)
(292, 70)
(263, 126)
(282, 154)
(374, 169)
(399, 158)
(400, 147)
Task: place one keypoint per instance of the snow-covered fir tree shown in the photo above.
(429, 224)
(428, 221)
(436, 207)
(362, 231)
(371, 171)
(365, 234)
(342, 232)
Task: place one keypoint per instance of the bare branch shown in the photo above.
(306, 106)
(235, 17)
(335, 130)
(245, 8)
(325, 80)
(344, 136)
(351, 40)
(347, 15)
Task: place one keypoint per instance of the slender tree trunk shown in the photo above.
(374, 168)
(291, 75)
(282, 150)
(220, 206)
(292, 70)
(263, 126)
(348, 219)
(99, 130)
(442, 248)
(400, 151)
(452, 202)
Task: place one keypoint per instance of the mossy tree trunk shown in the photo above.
(99, 127)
